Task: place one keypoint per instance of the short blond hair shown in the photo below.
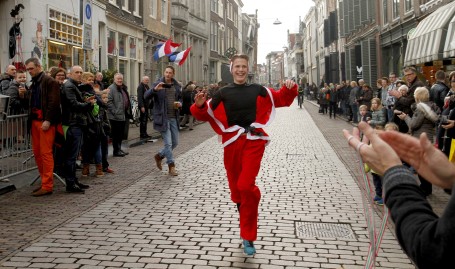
(365, 107)
(421, 94)
(391, 126)
(86, 75)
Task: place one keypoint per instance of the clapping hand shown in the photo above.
(200, 98)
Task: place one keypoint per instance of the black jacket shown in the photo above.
(74, 107)
(438, 92)
(427, 239)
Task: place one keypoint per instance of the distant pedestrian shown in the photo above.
(143, 105)
(166, 95)
(239, 112)
(119, 113)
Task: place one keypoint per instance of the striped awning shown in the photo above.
(427, 42)
(449, 48)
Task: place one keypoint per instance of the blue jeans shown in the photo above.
(72, 148)
(171, 140)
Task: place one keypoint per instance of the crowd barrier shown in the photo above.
(16, 154)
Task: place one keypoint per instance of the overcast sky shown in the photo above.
(273, 37)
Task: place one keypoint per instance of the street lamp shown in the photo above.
(277, 22)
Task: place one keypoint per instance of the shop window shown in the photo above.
(59, 54)
(122, 45)
(132, 45)
(111, 41)
(122, 68)
(63, 27)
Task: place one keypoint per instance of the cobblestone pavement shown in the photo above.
(149, 220)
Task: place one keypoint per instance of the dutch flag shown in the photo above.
(165, 49)
(179, 57)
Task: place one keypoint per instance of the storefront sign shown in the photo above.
(87, 36)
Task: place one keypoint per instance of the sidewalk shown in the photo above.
(156, 221)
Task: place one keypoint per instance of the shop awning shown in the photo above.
(427, 42)
(449, 48)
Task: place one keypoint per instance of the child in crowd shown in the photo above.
(105, 135)
(378, 114)
(364, 114)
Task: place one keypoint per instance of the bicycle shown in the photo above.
(135, 111)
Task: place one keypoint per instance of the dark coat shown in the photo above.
(160, 104)
(50, 98)
(75, 109)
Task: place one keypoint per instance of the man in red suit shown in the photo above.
(239, 112)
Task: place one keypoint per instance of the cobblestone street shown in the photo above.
(141, 218)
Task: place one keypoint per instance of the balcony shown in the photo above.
(179, 14)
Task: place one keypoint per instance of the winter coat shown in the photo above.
(423, 120)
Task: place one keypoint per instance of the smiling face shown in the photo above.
(240, 70)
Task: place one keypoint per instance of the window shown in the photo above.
(125, 5)
(408, 5)
(213, 36)
(236, 19)
(64, 28)
(134, 7)
(395, 9)
(229, 11)
(153, 8)
(164, 11)
(385, 17)
(132, 45)
(214, 6)
(111, 41)
(122, 45)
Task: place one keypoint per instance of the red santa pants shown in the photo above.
(242, 160)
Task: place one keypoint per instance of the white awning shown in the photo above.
(449, 48)
(426, 43)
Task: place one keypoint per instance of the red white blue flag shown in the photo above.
(165, 49)
(179, 57)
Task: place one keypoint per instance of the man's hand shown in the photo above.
(379, 156)
(45, 125)
(289, 84)
(200, 99)
(159, 86)
(451, 124)
(428, 161)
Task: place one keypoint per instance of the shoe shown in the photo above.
(146, 136)
(41, 192)
(82, 186)
(126, 153)
(172, 171)
(379, 202)
(248, 248)
(37, 189)
(99, 170)
(108, 170)
(119, 154)
(158, 160)
(74, 189)
(191, 129)
(376, 198)
(85, 170)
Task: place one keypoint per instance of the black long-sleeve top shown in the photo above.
(427, 239)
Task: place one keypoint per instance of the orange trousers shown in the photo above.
(42, 143)
(242, 160)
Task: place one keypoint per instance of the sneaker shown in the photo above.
(376, 198)
(379, 202)
(248, 248)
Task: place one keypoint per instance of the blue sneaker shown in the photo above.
(376, 198)
(248, 248)
(380, 202)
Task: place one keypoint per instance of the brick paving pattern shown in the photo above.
(142, 218)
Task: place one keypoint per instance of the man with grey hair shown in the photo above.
(119, 112)
(6, 78)
(143, 105)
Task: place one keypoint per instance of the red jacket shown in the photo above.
(265, 113)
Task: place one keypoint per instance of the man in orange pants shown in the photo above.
(239, 112)
(45, 114)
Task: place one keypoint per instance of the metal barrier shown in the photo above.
(16, 154)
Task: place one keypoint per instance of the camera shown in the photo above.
(165, 85)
